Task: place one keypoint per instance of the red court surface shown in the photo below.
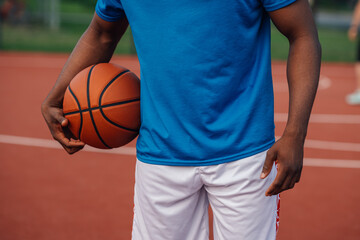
(46, 194)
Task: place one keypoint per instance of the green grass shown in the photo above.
(335, 44)
(73, 6)
(76, 7)
(279, 45)
(39, 39)
(336, 47)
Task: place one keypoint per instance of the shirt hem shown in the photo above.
(277, 6)
(107, 18)
(195, 163)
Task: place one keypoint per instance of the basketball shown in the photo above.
(102, 104)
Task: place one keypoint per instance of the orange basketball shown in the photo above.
(102, 104)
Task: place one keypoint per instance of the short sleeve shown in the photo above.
(109, 10)
(272, 5)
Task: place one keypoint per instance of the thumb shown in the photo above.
(62, 120)
(269, 161)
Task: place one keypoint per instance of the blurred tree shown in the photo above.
(335, 4)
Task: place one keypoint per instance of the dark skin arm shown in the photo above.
(96, 45)
(353, 30)
(303, 68)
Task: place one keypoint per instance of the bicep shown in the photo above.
(108, 31)
(295, 20)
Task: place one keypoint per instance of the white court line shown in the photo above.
(39, 142)
(330, 145)
(45, 143)
(327, 145)
(324, 118)
(335, 163)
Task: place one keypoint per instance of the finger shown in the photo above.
(287, 184)
(62, 120)
(76, 143)
(72, 146)
(268, 164)
(292, 177)
(63, 136)
(58, 116)
(70, 135)
(292, 184)
(63, 140)
(277, 183)
(71, 150)
(298, 176)
(294, 180)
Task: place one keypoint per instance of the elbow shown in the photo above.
(106, 39)
(308, 43)
(102, 37)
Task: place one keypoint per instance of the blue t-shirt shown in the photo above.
(206, 85)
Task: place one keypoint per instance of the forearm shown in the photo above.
(95, 46)
(303, 70)
(356, 16)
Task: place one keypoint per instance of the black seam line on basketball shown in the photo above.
(101, 96)
(102, 107)
(108, 85)
(115, 124)
(89, 106)
(79, 106)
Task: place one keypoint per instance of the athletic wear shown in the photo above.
(171, 202)
(206, 85)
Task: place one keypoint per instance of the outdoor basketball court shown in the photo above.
(45, 194)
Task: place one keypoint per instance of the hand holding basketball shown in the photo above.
(113, 118)
(57, 124)
(102, 104)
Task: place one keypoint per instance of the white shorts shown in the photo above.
(171, 203)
